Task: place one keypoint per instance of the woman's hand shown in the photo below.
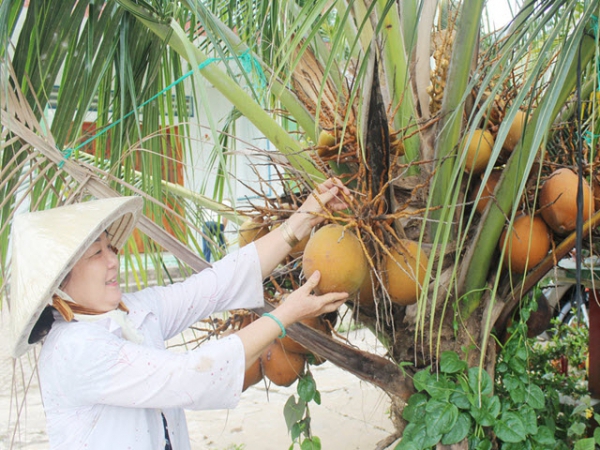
(329, 195)
(300, 304)
(275, 246)
(303, 304)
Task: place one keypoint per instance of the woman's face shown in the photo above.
(94, 280)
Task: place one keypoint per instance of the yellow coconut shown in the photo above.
(403, 278)
(366, 297)
(281, 367)
(252, 375)
(558, 201)
(298, 249)
(515, 131)
(479, 151)
(336, 253)
(488, 191)
(316, 323)
(528, 243)
(251, 230)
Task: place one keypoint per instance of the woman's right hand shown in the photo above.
(300, 304)
(303, 303)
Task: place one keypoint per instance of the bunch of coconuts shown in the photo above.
(338, 254)
(529, 239)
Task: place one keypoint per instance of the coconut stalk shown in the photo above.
(453, 103)
(397, 72)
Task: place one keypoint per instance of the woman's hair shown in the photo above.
(42, 326)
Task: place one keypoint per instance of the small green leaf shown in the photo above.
(480, 381)
(519, 446)
(414, 435)
(431, 440)
(476, 443)
(421, 379)
(517, 365)
(414, 411)
(585, 444)
(485, 413)
(535, 397)
(293, 411)
(295, 431)
(529, 419)
(597, 435)
(451, 363)
(521, 353)
(502, 367)
(460, 399)
(459, 431)
(405, 445)
(577, 429)
(516, 389)
(317, 398)
(544, 436)
(579, 408)
(510, 427)
(312, 443)
(402, 365)
(307, 388)
(441, 388)
(441, 417)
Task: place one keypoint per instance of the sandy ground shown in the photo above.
(352, 415)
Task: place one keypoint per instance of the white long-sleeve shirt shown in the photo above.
(101, 391)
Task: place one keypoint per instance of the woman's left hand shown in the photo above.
(330, 195)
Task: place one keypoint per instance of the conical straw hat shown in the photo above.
(47, 244)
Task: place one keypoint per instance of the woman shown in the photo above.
(107, 380)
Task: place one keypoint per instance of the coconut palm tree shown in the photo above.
(387, 96)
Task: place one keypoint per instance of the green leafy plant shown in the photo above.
(451, 404)
(297, 414)
(531, 404)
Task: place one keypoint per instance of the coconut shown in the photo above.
(479, 151)
(366, 296)
(316, 323)
(488, 191)
(403, 279)
(528, 243)
(251, 230)
(298, 249)
(558, 201)
(281, 367)
(338, 255)
(252, 375)
(515, 131)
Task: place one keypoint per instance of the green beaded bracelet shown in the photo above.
(278, 322)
